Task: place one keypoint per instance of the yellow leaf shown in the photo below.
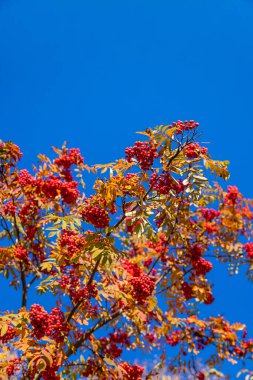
(47, 357)
(218, 167)
(170, 132)
(57, 150)
(238, 326)
(152, 304)
(109, 361)
(143, 133)
(4, 329)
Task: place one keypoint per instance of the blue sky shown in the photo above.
(95, 72)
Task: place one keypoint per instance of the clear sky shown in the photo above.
(94, 72)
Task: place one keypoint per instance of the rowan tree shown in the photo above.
(125, 264)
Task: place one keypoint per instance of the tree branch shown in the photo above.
(89, 283)
(88, 333)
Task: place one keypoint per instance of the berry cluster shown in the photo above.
(10, 153)
(246, 213)
(247, 345)
(90, 368)
(130, 185)
(209, 214)
(9, 335)
(25, 178)
(249, 250)
(195, 252)
(132, 177)
(133, 372)
(90, 291)
(132, 268)
(53, 186)
(188, 293)
(71, 284)
(174, 338)
(187, 290)
(72, 242)
(142, 288)
(164, 183)
(151, 338)
(202, 266)
(142, 285)
(209, 298)
(95, 214)
(239, 352)
(211, 228)
(44, 324)
(132, 225)
(147, 262)
(9, 209)
(38, 252)
(69, 157)
(201, 341)
(14, 366)
(69, 192)
(50, 187)
(194, 150)
(144, 152)
(185, 125)
(160, 247)
(30, 232)
(21, 253)
(120, 337)
(28, 212)
(110, 348)
(57, 326)
(50, 373)
(39, 321)
(232, 195)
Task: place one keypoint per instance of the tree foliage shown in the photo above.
(126, 266)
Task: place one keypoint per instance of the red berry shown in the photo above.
(133, 372)
(144, 152)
